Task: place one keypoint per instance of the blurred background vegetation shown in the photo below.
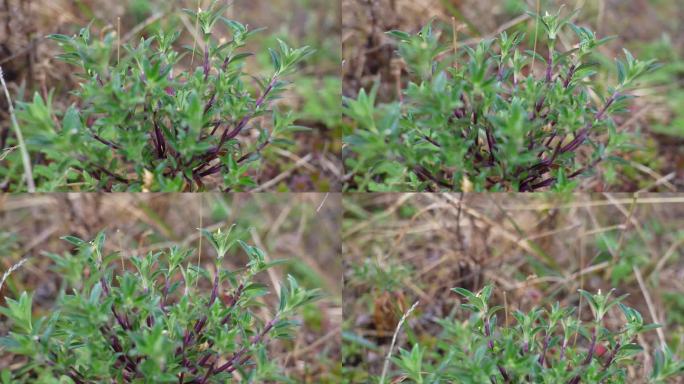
(310, 163)
(648, 28)
(302, 228)
(535, 249)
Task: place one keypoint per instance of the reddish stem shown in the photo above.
(587, 360)
(227, 135)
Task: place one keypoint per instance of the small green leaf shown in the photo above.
(73, 240)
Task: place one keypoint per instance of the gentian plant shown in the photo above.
(167, 321)
(550, 345)
(474, 119)
(151, 117)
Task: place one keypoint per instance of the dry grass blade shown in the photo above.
(325, 198)
(536, 32)
(651, 306)
(385, 367)
(6, 152)
(20, 138)
(138, 28)
(282, 176)
(672, 250)
(13, 268)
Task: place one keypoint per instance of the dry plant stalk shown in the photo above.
(20, 138)
(13, 268)
(394, 340)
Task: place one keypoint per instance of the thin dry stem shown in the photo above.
(385, 367)
(118, 40)
(274, 181)
(536, 34)
(320, 206)
(20, 138)
(668, 254)
(651, 307)
(138, 28)
(13, 268)
(194, 44)
(455, 39)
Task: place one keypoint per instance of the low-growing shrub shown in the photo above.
(152, 117)
(481, 119)
(169, 321)
(540, 346)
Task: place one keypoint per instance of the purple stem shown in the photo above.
(204, 359)
(613, 353)
(549, 68)
(609, 102)
(577, 141)
(110, 173)
(230, 364)
(113, 340)
(545, 348)
(206, 65)
(550, 139)
(199, 325)
(234, 299)
(592, 348)
(216, 168)
(210, 371)
(568, 79)
(539, 105)
(544, 183)
(491, 144)
(580, 137)
(210, 171)
(587, 360)
(584, 132)
(165, 293)
(214, 290)
(564, 345)
(210, 103)
(431, 141)
(106, 142)
(159, 136)
(490, 344)
(258, 150)
(425, 175)
(227, 135)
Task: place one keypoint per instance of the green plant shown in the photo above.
(481, 119)
(540, 346)
(146, 120)
(387, 277)
(167, 321)
(669, 79)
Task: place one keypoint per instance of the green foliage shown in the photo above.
(665, 366)
(387, 277)
(166, 321)
(537, 347)
(143, 122)
(668, 78)
(481, 119)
